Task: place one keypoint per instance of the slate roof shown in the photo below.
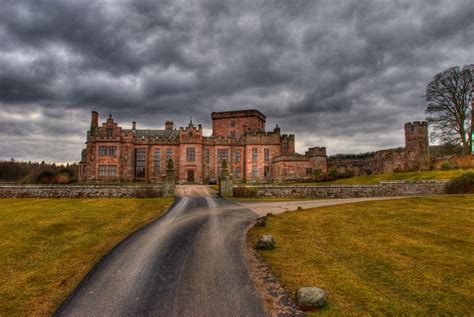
(290, 157)
(154, 133)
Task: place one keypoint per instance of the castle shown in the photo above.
(413, 157)
(239, 137)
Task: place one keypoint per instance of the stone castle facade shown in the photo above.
(253, 154)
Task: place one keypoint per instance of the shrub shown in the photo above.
(445, 166)
(318, 175)
(45, 177)
(332, 173)
(347, 174)
(463, 184)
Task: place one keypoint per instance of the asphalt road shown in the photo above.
(188, 263)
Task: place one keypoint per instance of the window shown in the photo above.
(238, 156)
(112, 150)
(156, 161)
(110, 132)
(140, 162)
(222, 154)
(309, 171)
(190, 154)
(232, 134)
(208, 156)
(266, 155)
(111, 170)
(102, 150)
(102, 170)
(232, 123)
(254, 170)
(169, 153)
(254, 154)
(266, 171)
(107, 171)
(237, 173)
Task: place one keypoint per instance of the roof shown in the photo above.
(153, 133)
(290, 157)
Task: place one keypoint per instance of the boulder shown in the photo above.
(311, 298)
(270, 214)
(266, 242)
(261, 222)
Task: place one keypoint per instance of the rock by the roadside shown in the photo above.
(310, 298)
(261, 222)
(266, 242)
(270, 214)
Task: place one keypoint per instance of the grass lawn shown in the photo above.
(396, 257)
(47, 246)
(375, 179)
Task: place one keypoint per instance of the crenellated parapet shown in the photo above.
(316, 151)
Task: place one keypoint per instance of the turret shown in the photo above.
(316, 151)
(417, 145)
(287, 143)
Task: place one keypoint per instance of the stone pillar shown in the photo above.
(226, 183)
(169, 180)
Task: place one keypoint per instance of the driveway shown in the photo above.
(188, 263)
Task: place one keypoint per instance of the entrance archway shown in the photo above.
(190, 176)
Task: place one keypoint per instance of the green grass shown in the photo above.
(375, 179)
(47, 246)
(396, 257)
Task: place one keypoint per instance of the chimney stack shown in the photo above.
(169, 125)
(95, 120)
(134, 125)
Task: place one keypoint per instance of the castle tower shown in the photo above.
(317, 157)
(417, 145)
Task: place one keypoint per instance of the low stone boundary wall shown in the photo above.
(385, 189)
(79, 191)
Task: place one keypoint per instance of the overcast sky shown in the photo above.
(342, 74)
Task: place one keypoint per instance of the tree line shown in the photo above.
(37, 172)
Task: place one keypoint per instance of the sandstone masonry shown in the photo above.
(114, 154)
(413, 157)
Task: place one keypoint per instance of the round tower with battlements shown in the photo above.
(417, 145)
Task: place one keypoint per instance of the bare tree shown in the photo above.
(449, 110)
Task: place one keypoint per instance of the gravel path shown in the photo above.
(262, 208)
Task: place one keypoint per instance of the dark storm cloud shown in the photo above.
(346, 75)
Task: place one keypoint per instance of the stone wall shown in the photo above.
(385, 189)
(79, 191)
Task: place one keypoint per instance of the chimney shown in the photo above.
(95, 120)
(134, 125)
(277, 129)
(168, 125)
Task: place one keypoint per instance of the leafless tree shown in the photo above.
(449, 108)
